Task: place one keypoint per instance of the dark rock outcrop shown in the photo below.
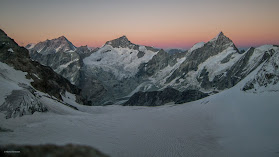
(190, 95)
(122, 42)
(49, 151)
(84, 51)
(158, 98)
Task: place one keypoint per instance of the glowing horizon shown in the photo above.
(158, 23)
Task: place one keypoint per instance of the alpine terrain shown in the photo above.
(115, 72)
(211, 100)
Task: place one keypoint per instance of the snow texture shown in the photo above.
(122, 62)
(214, 64)
(196, 46)
(219, 125)
(10, 50)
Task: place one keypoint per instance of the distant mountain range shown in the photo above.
(114, 72)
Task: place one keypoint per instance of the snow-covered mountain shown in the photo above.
(61, 55)
(53, 46)
(24, 82)
(115, 65)
(209, 67)
(120, 68)
(120, 57)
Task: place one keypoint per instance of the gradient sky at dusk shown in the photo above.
(159, 23)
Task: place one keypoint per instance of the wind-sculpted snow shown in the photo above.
(17, 97)
(196, 46)
(20, 103)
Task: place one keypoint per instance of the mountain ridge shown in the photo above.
(44, 78)
(121, 68)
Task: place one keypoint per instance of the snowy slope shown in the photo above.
(219, 125)
(231, 123)
(17, 97)
(196, 46)
(122, 62)
(9, 80)
(214, 65)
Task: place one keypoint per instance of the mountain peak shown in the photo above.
(220, 34)
(2, 33)
(63, 38)
(220, 37)
(122, 41)
(123, 37)
(52, 46)
(6, 40)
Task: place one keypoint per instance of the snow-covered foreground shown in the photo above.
(231, 123)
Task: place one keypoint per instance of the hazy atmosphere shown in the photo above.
(159, 23)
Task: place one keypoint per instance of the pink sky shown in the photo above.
(165, 24)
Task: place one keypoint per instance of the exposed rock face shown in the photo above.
(174, 51)
(190, 95)
(59, 54)
(159, 62)
(50, 151)
(122, 42)
(44, 78)
(157, 98)
(61, 44)
(268, 74)
(154, 98)
(62, 56)
(67, 64)
(85, 51)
